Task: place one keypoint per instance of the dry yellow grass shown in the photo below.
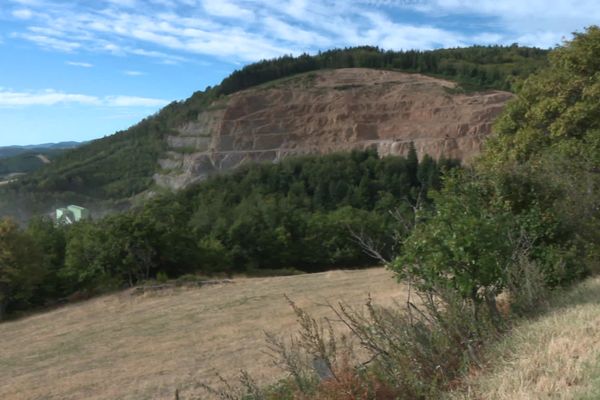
(554, 356)
(126, 347)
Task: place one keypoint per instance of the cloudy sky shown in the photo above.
(82, 69)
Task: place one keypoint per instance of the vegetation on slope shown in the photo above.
(555, 355)
(26, 159)
(262, 218)
(9, 151)
(27, 162)
(115, 167)
(120, 166)
(474, 68)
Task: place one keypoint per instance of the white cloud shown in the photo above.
(45, 31)
(48, 42)
(123, 3)
(541, 39)
(44, 98)
(10, 98)
(285, 31)
(296, 8)
(392, 35)
(133, 73)
(22, 13)
(164, 57)
(165, 3)
(79, 64)
(226, 8)
(133, 101)
(533, 22)
(174, 31)
(29, 2)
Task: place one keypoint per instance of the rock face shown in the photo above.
(330, 111)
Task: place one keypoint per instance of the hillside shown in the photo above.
(10, 151)
(27, 162)
(139, 347)
(18, 160)
(329, 111)
(109, 173)
(554, 356)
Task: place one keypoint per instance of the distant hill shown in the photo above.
(28, 161)
(16, 161)
(110, 172)
(9, 151)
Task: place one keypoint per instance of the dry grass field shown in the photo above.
(554, 356)
(144, 347)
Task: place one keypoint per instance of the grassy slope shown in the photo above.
(553, 356)
(125, 347)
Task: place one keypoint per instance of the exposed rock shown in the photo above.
(329, 111)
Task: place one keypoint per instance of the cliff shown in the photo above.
(328, 111)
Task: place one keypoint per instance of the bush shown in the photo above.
(162, 277)
(464, 245)
(412, 352)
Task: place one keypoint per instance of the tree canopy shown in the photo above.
(302, 214)
(532, 198)
(557, 107)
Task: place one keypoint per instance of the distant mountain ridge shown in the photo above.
(9, 151)
(17, 161)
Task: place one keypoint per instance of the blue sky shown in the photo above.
(83, 69)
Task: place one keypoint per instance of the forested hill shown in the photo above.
(109, 171)
(16, 160)
(475, 68)
(10, 151)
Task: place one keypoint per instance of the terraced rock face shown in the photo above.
(330, 111)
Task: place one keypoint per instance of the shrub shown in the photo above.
(412, 352)
(464, 245)
(162, 277)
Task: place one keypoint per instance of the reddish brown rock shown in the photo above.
(329, 111)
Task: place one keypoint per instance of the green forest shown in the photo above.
(105, 173)
(474, 68)
(303, 214)
(27, 162)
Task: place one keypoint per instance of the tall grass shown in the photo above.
(421, 349)
(554, 354)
